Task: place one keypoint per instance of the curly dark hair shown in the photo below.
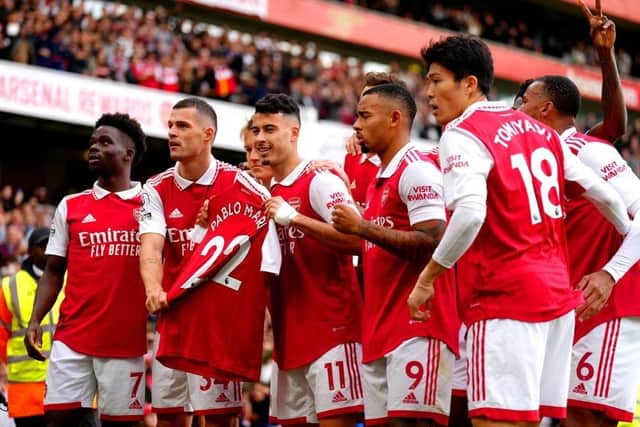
(129, 126)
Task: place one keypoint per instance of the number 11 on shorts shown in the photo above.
(339, 367)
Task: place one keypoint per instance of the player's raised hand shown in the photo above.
(596, 288)
(420, 298)
(203, 215)
(156, 300)
(602, 29)
(345, 219)
(33, 342)
(324, 165)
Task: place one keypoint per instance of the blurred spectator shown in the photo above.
(19, 215)
(540, 31)
(153, 49)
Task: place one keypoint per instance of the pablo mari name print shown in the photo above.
(238, 208)
(111, 242)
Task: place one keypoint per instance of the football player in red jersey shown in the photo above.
(407, 364)
(315, 380)
(604, 371)
(171, 203)
(360, 164)
(506, 177)
(100, 341)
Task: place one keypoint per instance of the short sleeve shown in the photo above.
(466, 164)
(59, 235)
(271, 255)
(605, 161)
(421, 189)
(579, 176)
(326, 191)
(152, 213)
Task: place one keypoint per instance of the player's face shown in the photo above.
(110, 151)
(275, 137)
(534, 101)
(447, 97)
(254, 159)
(190, 134)
(372, 122)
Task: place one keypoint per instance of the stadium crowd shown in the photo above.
(153, 49)
(539, 31)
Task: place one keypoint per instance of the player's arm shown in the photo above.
(466, 164)
(152, 235)
(583, 181)
(603, 159)
(325, 192)
(49, 287)
(603, 35)
(51, 282)
(420, 188)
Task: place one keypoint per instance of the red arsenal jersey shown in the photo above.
(103, 312)
(406, 192)
(361, 171)
(170, 208)
(316, 303)
(220, 291)
(517, 266)
(592, 239)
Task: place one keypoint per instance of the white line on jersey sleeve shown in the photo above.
(421, 189)
(152, 213)
(59, 236)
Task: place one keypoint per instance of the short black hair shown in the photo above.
(523, 88)
(129, 126)
(201, 107)
(463, 56)
(275, 103)
(399, 93)
(375, 78)
(563, 93)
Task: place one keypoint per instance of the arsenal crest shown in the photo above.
(385, 196)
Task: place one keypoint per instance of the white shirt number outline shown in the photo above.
(223, 276)
(547, 182)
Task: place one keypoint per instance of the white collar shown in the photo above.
(205, 179)
(293, 175)
(567, 133)
(373, 159)
(478, 105)
(394, 164)
(101, 193)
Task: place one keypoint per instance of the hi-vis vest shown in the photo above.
(19, 293)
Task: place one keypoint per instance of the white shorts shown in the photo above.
(605, 369)
(329, 386)
(518, 370)
(412, 381)
(174, 391)
(74, 380)
(460, 381)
